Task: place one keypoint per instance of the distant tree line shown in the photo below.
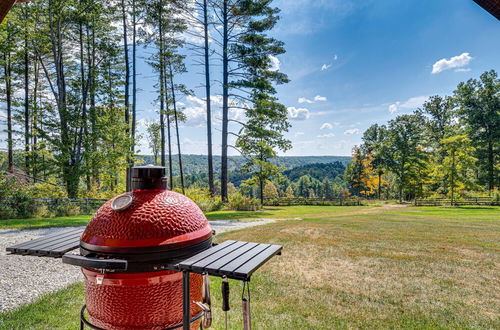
(449, 147)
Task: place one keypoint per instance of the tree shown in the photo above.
(262, 134)
(375, 146)
(240, 21)
(154, 139)
(405, 145)
(355, 173)
(478, 107)
(458, 164)
(8, 31)
(270, 190)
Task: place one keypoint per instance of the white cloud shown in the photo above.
(410, 104)
(335, 57)
(299, 134)
(393, 108)
(317, 98)
(298, 113)
(326, 126)
(304, 100)
(329, 135)
(352, 131)
(454, 62)
(326, 67)
(275, 63)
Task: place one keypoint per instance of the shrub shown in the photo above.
(238, 202)
(22, 203)
(204, 200)
(64, 208)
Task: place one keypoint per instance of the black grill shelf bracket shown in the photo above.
(52, 246)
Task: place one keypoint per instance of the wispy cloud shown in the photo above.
(410, 104)
(304, 100)
(326, 67)
(275, 63)
(298, 113)
(352, 131)
(455, 62)
(326, 126)
(317, 98)
(325, 136)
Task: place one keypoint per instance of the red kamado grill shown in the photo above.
(146, 257)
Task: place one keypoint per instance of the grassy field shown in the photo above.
(284, 213)
(349, 267)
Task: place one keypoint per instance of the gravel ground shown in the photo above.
(24, 278)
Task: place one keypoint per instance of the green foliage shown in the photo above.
(238, 202)
(204, 200)
(478, 108)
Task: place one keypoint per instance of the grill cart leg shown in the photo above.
(185, 301)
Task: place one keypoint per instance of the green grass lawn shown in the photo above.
(349, 267)
(280, 213)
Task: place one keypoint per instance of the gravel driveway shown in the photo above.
(24, 278)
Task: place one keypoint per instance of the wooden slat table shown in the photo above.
(232, 259)
(54, 245)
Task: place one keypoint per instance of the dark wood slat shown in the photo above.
(235, 254)
(49, 245)
(66, 248)
(244, 258)
(247, 269)
(56, 244)
(51, 237)
(62, 241)
(236, 260)
(189, 262)
(200, 265)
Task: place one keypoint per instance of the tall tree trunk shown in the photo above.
(174, 103)
(8, 95)
(491, 167)
(453, 178)
(225, 102)
(127, 65)
(169, 138)
(379, 185)
(34, 129)
(209, 103)
(162, 89)
(134, 77)
(26, 102)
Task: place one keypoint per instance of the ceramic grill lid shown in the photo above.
(149, 219)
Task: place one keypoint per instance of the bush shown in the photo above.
(238, 202)
(204, 200)
(22, 203)
(64, 209)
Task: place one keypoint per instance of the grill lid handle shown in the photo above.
(94, 263)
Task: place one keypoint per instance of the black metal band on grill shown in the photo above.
(138, 260)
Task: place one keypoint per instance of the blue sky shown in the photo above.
(352, 63)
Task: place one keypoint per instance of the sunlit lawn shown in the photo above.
(349, 267)
(268, 212)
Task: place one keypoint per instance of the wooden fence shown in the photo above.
(87, 203)
(456, 202)
(312, 201)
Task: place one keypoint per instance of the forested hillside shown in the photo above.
(197, 164)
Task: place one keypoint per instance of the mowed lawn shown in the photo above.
(349, 267)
